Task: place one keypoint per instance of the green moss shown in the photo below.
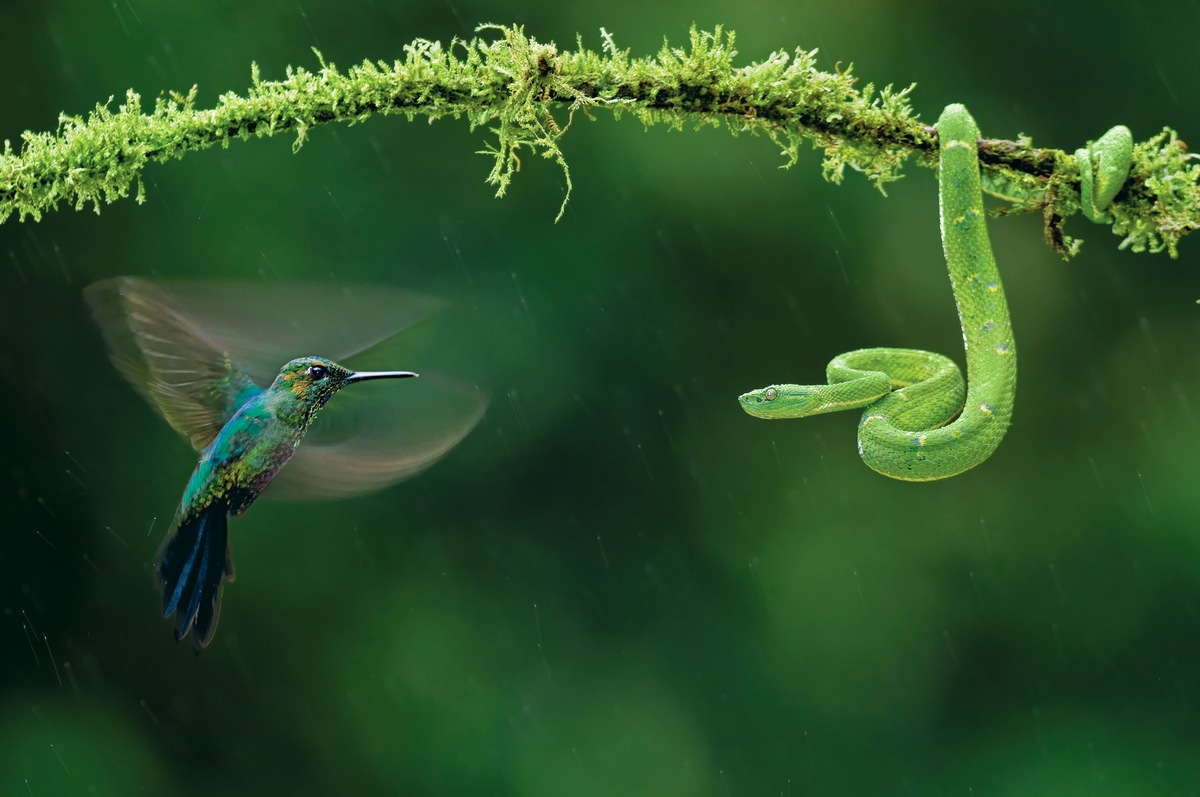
(512, 85)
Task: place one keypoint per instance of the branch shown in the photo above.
(512, 85)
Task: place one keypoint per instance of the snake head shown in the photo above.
(778, 401)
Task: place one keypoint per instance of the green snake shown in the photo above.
(920, 422)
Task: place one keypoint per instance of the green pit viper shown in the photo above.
(920, 422)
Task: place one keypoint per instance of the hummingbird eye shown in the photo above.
(316, 371)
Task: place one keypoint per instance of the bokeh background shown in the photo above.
(618, 583)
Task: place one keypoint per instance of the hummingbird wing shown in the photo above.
(172, 360)
(197, 349)
(262, 325)
(376, 434)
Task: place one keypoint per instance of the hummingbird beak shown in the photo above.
(362, 376)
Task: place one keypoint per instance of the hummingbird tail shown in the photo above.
(192, 564)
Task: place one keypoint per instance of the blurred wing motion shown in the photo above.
(373, 435)
(183, 372)
(263, 325)
(198, 350)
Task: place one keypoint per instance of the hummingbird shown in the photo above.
(199, 370)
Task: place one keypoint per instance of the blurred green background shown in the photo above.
(618, 583)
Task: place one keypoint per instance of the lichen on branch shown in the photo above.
(513, 85)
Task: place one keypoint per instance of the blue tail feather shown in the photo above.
(192, 564)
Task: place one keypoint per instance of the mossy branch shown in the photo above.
(513, 85)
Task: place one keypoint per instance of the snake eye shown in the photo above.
(771, 394)
(317, 372)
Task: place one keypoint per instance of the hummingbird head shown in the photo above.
(310, 381)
